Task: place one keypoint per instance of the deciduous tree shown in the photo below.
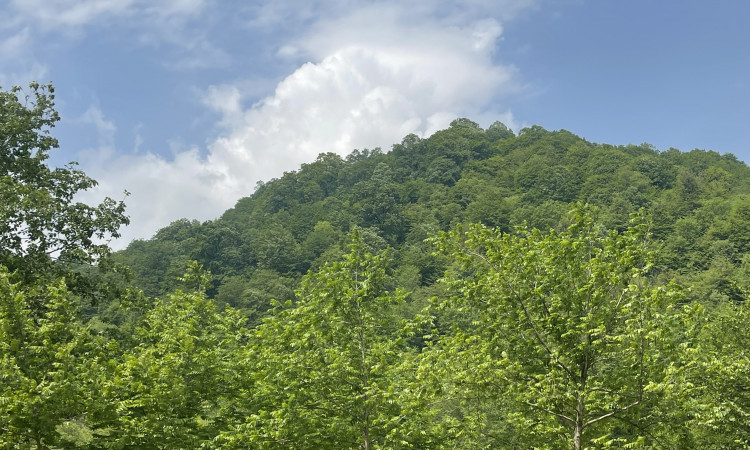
(330, 371)
(44, 231)
(564, 332)
(172, 390)
(51, 367)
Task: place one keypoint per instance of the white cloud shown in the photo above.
(15, 44)
(376, 80)
(155, 23)
(105, 129)
(373, 79)
(72, 14)
(160, 190)
(226, 100)
(485, 33)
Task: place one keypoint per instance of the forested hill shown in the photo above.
(399, 335)
(259, 249)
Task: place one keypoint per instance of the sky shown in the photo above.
(188, 104)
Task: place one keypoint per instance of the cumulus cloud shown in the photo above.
(365, 91)
(373, 76)
(160, 190)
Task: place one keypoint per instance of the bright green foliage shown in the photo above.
(332, 371)
(51, 368)
(563, 333)
(172, 389)
(718, 377)
(41, 226)
(546, 340)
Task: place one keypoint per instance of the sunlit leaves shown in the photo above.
(331, 371)
(51, 366)
(564, 328)
(173, 388)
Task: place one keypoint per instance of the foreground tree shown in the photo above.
(51, 364)
(171, 390)
(563, 332)
(51, 368)
(718, 375)
(44, 232)
(331, 372)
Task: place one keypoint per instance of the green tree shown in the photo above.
(51, 368)
(498, 131)
(378, 202)
(322, 237)
(564, 332)
(276, 248)
(43, 230)
(51, 364)
(252, 296)
(330, 370)
(718, 374)
(173, 389)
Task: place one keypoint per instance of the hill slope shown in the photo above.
(259, 249)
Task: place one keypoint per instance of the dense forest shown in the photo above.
(474, 289)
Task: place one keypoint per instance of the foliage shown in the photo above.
(564, 331)
(51, 367)
(462, 175)
(719, 378)
(331, 371)
(567, 334)
(171, 390)
(43, 230)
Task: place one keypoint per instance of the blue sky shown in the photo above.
(187, 104)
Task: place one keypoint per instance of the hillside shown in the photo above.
(259, 249)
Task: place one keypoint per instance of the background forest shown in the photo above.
(474, 289)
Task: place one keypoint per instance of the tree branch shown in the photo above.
(549, 411)
(528, 317)
(610, 414)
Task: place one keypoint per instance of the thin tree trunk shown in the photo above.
(578, 427)
(39, 445)
(581, 402)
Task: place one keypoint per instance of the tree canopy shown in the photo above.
(472, 289)
(43, 229)
(566, 332)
